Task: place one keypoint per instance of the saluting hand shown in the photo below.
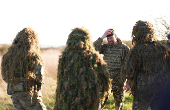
(107, 32)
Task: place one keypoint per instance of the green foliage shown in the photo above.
(5, 103)
(48, 102)
(6, 106)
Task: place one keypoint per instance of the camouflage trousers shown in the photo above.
(117, 89)
(28, 101)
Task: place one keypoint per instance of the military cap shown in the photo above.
(168, 36)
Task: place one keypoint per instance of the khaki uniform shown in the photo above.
(27, 96)
(114, 56)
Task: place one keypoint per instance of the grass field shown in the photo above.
(50, 57)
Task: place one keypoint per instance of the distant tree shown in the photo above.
(162, 26)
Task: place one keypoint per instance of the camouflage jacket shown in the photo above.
(167, 45)
(114, 56)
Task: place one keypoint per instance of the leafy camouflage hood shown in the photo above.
(143, 32)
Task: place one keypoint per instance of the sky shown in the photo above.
(53, 20)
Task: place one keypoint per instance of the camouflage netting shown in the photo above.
(81, 74)
(21, 57)
(147, 62)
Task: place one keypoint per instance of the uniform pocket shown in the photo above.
(9, 89)
(19, 87)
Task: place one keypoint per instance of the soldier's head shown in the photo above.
(112, 38)
(27, 37)
(79, 38)
(143, 32)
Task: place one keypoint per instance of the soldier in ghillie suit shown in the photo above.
(114, 55)
(23, 69)
(168, 42)
(146, 67)
(82, 74)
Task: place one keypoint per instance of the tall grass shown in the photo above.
(110, 105)
(50, 57)
(5, 100)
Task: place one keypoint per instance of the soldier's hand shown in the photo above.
(107, 32)
(127, 87)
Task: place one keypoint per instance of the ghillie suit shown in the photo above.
(82, 79)
(23, 70)
(114, 56)
(146, 67)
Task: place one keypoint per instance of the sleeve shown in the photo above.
(126, 50)
(39, 73)
(166, 46)
(4, 76)
(124, 53)
(103, 79)
(128, 68)
(98, 45)
(4, 70)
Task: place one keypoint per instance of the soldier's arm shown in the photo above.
(98, 45)
(39, 73)
(127, 69)
(126, 50)
(4, 76)
(103, 75)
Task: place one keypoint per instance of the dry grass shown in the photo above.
(5, 100)
(50, 57)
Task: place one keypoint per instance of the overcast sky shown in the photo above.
(54, 19)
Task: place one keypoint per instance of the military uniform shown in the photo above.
(114, 56)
